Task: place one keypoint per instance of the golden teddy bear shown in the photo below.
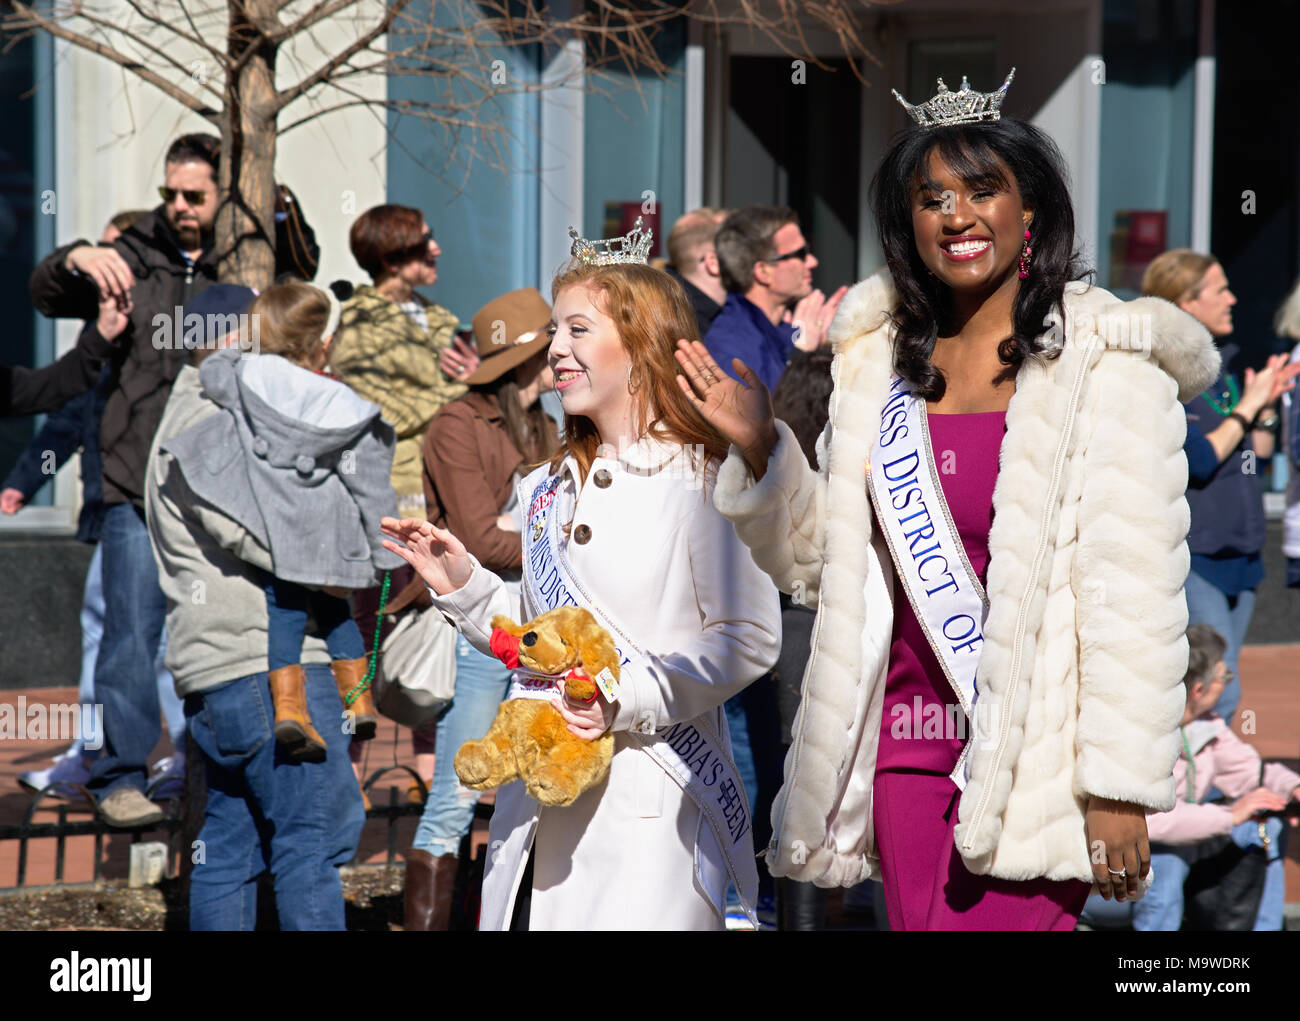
(529, 740)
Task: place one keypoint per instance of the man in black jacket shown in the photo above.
(25, 391)
(158, 264)
(693, 261)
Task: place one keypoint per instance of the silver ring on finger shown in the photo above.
(1121, 872)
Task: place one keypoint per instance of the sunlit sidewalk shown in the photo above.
(1269, 720)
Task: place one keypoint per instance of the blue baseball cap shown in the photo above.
(221, 300)
(214, 306)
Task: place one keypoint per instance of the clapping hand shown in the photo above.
(812, 318)
(458, 359)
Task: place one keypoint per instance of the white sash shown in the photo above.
(696, 755)
(929, 559)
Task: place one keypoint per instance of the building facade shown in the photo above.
(1157, 105)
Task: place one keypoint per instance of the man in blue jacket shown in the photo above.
(771, 305)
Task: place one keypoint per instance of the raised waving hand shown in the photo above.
(437, 556)
(742, 412)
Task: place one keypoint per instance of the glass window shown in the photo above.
(634, 131)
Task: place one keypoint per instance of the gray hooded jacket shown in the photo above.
(299, 460)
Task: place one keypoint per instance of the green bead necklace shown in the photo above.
(355, 693)
(1226, 401)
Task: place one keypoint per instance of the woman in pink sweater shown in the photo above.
(1214, 757)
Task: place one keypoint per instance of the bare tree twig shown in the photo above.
(324, 9)
(287, 96)
(195, 39)
(33, 19)
(140, 41)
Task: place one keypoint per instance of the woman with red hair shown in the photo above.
(621, 516)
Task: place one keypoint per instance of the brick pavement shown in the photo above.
(1271, 679)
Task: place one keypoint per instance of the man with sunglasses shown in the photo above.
(158, 264)
(771, 305)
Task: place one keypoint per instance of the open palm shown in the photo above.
(437, 556)
(741, 412)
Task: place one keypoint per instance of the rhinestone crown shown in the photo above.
(965, 106)
(634, 246)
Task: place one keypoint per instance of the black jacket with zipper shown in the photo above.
(147, 359)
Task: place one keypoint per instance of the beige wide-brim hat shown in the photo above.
(508, 331)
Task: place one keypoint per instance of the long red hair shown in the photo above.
(651, 312)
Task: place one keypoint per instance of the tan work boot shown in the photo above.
(293, 727)
(348, 673)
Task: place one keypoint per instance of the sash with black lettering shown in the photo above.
(929, 559)
(695, 755)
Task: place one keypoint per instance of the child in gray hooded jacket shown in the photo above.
(303, 463)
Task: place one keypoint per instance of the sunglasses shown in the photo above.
(799, 253)
(194, 198)
(416, 251)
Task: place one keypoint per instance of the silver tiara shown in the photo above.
(634, 246)
(965, 106)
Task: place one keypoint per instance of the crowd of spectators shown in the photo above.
(193, 614)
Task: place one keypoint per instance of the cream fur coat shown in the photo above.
(1084, 640)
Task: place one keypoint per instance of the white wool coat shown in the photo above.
(667, 567)
(1084, 639)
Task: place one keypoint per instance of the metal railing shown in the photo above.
(61, 829)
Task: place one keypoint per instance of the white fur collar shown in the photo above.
(1180, 345)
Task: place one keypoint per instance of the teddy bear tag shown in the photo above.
(608, 685)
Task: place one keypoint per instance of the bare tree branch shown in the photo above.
(162, 55)
(195, 28)
(452, 60)
(324, 9)
(33, 19)
(80, 12)
(287, 96)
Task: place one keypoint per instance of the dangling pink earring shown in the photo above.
(1026, 253)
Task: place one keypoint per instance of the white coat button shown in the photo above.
(582, 535)
(305, 464)
(602, 478)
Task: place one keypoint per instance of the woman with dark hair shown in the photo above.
(992, 699)
(390, 336)
(619, 521)
(801, 400)
(395, 348)
(475, 452)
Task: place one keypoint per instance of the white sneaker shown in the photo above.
(167, 778)
(68, 769)
(127, 808)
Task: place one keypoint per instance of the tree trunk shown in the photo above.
(245, 227)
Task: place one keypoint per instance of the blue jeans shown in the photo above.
(754, 723)
(286, 620)
(1228, 615)
(301, 820)
(92, 633)
(481, 684)
(126, 678)
(1161, 910)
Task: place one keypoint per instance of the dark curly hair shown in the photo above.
(803, 396)
(980, 153)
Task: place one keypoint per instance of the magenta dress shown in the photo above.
(927, 886)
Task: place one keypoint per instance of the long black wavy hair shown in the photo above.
(977, 153)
